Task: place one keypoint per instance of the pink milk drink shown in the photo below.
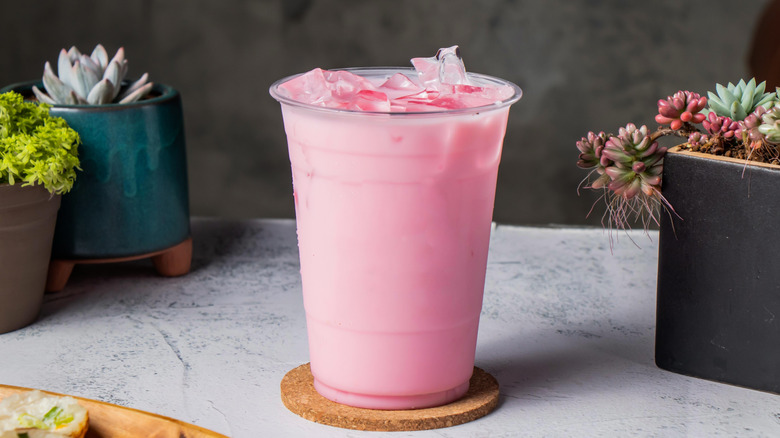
(394, 176)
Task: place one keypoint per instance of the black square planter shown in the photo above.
(718, 314)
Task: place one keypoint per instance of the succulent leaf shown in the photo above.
(74, 54)
(137, 94)
(747, 94)
(43, 97)
(56, 88)
(81, 83)
(112, 74)
(726, 95)
(100, 56)
(119, 57)
(101, 93)
(87, 62)
(760, 88)
(63, 67)
(136, 85)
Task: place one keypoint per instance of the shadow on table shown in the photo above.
(568, 364)
(223, 251)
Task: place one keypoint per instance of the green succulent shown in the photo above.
(770, 124)
(90, 79)
(738, 101)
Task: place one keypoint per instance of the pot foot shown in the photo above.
(59, 273)
(175, 261)
(169, 262)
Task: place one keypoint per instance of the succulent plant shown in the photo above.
(742, 121)
(720, 125)
(682, 107)
(697, 139)
(748, 132)
(637, 162)
(770, 124)
(591, 148)
(738, 101)
(90, 79)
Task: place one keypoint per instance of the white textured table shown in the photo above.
(567, 329)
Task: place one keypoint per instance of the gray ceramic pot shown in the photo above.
(27, 219)
(718, 314)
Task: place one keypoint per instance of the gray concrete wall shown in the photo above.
(583, 65)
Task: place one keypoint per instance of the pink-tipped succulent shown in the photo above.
(629, 167)
(591, 155)
(590, 148)
(697, 139)
(637, 162)
(683, 107)
(720, 125)
(747, 130)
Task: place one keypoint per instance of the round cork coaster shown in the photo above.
(300, 397)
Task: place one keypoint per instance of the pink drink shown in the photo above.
(394, 214)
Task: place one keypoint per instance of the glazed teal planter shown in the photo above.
(131, 197)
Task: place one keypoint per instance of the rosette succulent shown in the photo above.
(697, 139)
(90, 79)
(682, 107)
(770, 125)
(637, 162)
(591, 148)
(738, 101)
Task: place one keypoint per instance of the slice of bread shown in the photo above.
(34, 414)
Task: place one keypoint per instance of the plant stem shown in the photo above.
(685, 131)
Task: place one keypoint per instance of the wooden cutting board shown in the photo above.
(113, 421)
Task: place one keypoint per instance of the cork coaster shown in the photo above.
(300, 397)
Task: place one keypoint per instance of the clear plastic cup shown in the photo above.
(394, 214)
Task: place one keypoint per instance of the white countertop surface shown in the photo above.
(567, 329)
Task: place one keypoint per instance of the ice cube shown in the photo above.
(310, 87)
(345, 85)
(400, 81)
(446, 68)
(451, 70)
(369, 100)
(427, 71)
(399, 86)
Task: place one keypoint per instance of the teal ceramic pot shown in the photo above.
(131, 197)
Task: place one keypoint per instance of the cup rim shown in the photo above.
(480, 78)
